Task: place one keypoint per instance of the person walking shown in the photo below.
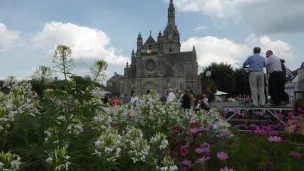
(256, 77)
(274, 68)
(186, 100)
(171, 95)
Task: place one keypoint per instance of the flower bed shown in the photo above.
(69, 130)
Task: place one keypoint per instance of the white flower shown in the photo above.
(49, 160)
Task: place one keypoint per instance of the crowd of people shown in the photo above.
(275, 67)
(186, 99)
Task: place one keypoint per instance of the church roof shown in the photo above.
(180, 56)
(302, 66)
(116, 78)
(150, 40)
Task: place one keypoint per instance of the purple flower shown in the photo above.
(240, 126)
(184, 150)
(222, 156)
(186, 164)
(260, 114)
(226, 169)
(195, 131)
(209, 127)
(201, 150)
(295, 155)
(260, 132)
(223, 134)
(203, 159)
(274, 139)
(290, 115)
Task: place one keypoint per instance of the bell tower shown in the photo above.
(171, 39)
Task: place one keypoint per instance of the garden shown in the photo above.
(68, 128)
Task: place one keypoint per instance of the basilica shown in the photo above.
(158, 64)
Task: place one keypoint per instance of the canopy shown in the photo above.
(104, 93)
(219, 93)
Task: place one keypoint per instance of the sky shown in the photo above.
(221, 31)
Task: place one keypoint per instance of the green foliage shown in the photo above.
(225, 78)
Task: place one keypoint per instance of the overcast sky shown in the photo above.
(221, 30)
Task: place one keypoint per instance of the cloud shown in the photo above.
(84, 41)
(200, 28)
(212, 49)
(263, 16)
(7, 37)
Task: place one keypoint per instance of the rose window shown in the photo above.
(150, 65)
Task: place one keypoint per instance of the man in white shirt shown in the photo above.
(133, 100)
(274, 68)
(171, 95)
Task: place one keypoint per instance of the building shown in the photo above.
(114, 85)
(159, 64)
(296, 84)
(300, 82)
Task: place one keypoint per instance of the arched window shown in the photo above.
(170, 49)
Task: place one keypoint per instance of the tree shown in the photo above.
(221, 75)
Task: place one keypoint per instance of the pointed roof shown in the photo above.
(150, 40)
(302, 66)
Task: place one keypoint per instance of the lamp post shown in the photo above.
(208, 74)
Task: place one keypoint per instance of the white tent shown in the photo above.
(104, 93)
(219, 93)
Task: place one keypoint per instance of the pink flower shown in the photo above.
(222, 156)
(201, 150)
(290, 115)
(223, 134)
(259, 113)
(203, 159)
(184, 150)
(186, 164)
(194, 131)
(240, 126)
(209, 127)
(295, 155)
(226, 169)
(260, 132)
(274, 139)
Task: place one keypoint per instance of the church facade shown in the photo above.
(159, 64)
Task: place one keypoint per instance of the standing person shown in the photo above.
(186, 100)
(191, 100)
(274, 68)
(256, 76)
(105, 100)
(133, 100)
(283, 95)
(171, 95)
(115, 102)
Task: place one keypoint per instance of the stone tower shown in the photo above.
(171, 40)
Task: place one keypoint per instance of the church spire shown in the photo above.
(171, 13)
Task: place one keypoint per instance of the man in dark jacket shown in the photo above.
(284, 96)
(186, 100)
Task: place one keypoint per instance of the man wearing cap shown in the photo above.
(171, 95)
